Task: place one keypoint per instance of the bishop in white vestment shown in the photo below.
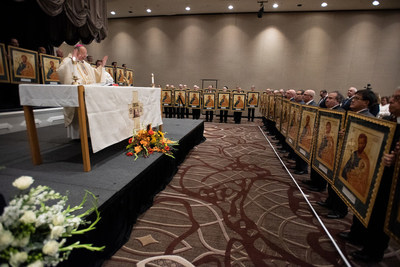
(75, 65)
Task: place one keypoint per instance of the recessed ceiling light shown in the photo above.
(275, 5)
(324, 4)
(230, 7)
(112, 12)
(148, 10)
(187, 8)
(375, 3)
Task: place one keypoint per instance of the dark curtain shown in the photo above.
(75, 20)
(48, 23)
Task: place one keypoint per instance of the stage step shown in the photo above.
(15, 121)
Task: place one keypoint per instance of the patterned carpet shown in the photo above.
(232, 203)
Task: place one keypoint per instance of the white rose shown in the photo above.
(23, 182)
(28, 217)
(36, 264)
(23, 242)
(58, 219)
(56, 232)
(51, 248)
(6, 238)
(17, 258)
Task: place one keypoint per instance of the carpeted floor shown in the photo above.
(232, 203)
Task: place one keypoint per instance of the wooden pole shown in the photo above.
(32, 135)
(83, 129)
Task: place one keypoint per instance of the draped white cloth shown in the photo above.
(108, 112)
(107, 108)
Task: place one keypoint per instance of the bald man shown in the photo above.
(74, 65)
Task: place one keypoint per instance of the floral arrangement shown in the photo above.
(34, 227)
(146, 142)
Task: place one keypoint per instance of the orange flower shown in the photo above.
(150, 132)
(143, 142)
(137, 149)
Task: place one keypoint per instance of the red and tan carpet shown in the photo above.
(233, 204)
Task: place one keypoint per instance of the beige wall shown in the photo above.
(316, 50)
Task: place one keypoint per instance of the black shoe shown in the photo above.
(307, 182)
(315, 188)
(334, 215)
(346, 236)
(300, 172)
(366, 257)
(324, 204)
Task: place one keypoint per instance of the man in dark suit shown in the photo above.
(350, 94)
(362, 101)
(317, 183)
(338, 208)
(323, 94)
(373, 238)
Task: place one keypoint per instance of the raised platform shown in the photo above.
(125, 188)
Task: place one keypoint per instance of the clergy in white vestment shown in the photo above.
(75, 65)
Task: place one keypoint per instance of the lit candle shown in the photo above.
(74, 66)
(152, 78)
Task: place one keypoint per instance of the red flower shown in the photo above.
(130, 140)
(150, 132)
(129, 154)
(167, 148)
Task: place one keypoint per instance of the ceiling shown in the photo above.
(137, 8)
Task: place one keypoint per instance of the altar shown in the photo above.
(109, 112)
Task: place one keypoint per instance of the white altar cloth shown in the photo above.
(107, 107)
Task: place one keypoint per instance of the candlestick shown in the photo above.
(74, 76)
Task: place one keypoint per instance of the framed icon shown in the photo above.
(224, 101)
(110, 70)
(285, 116)
(392, 222)
(271, 107)
(360, 166)
(194, 99)
(252, 99)
(293, 126)
(180, 98)
(166, 98)
(120, 77)
(49, 69)
(278, 112)
(209, 101)
(4, 73)
(326, 145)
(23, 65)
(129, 77)
(306, 134)
(238, 101)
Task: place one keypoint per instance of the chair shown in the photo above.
(165, 260)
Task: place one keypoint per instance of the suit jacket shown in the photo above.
(338, 108)
(313, 103)
(366, 112)
(321, 102)
(346, 103)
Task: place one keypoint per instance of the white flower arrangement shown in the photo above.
(34, 227)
